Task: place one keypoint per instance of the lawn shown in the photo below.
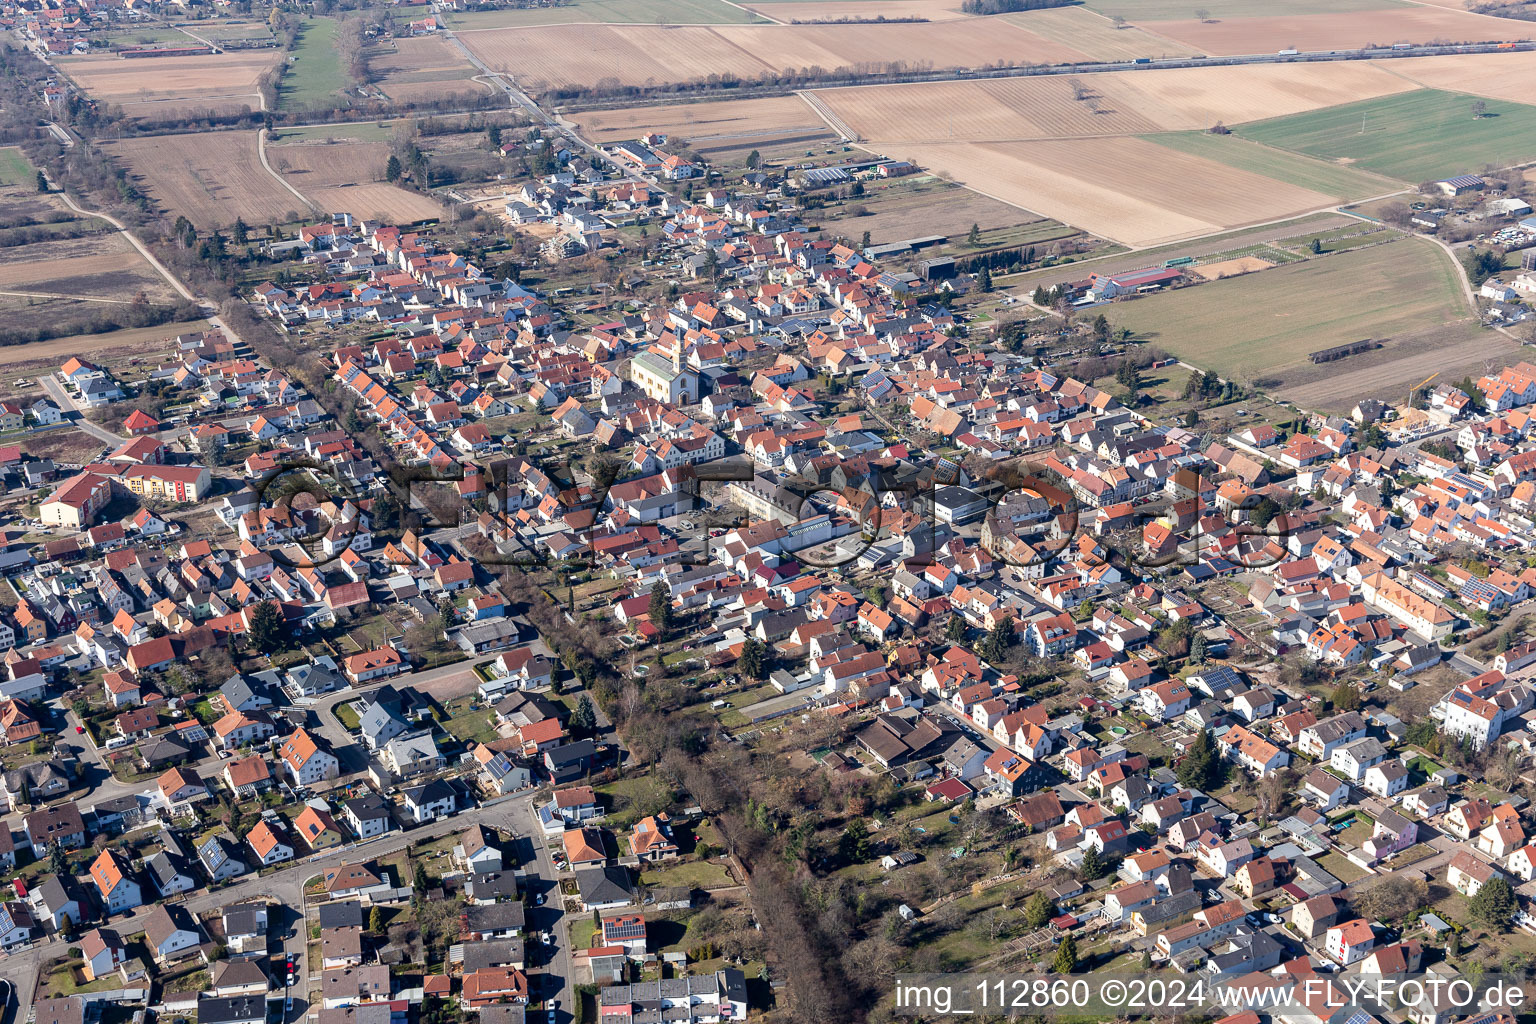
(1341, 868)
(1307, 172)
(469, 726)
(1413, 137)
(314, 74)
(613, 12)
(1247, 326)
(1339, 239)
(632, 798)
(14, 168)
(1104, 260)
(582, 931)
(347, 715)
(696, 874)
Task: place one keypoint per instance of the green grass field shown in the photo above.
(613, 12)
(1413, 137)
(1246, 326)
(314, 74)
(1174, 10)
(15, 169)
(1331, 179)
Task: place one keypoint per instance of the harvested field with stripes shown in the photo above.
(349, 177)
(1499, 76)
(211, 178)
(1096, 35)
(701, 121)
(1118, 103)
(1127, 189)
(838, 10)
(423, 67)
(1343, 31)
(174, 87)
(591, 55)
(972, 43)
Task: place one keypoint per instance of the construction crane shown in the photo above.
(1414, 390)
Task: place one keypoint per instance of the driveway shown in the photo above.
(533, 854)
(67, 405)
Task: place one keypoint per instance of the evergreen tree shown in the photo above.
(984, 279)
(753, 659)
(660, 608)
(1316, 247)
(493, 137)
(584, 718)
(242, 232)
(1202, 766)
(376, 921)
(1101, 328)
(999, 638)
(420, 881)
(1346, 697)
(1038, 910)
(1198, 649)
(392, 168)
(864, 241)
(1494, 903)
(1066, 956)
(268, 629)
(754, 160)
(42, 182)
(1093, 865)
(853, 845)
(974, 238)
(58, 860)
(1128, 376)
(956, 629)
(1263, 512)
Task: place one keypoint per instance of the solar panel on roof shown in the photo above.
(1360, 1018)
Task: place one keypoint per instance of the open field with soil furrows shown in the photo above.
(697, 121)
(641, 54)
(1339, 31)
(171, 86)
(210, 177)
(627, 54)
(423, 67)
(1096, 35)
(974, 42)
(1127, 189)
(348, 177)
(376, 201)
(1503, 76)
(1117, 103)
(833, 10)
